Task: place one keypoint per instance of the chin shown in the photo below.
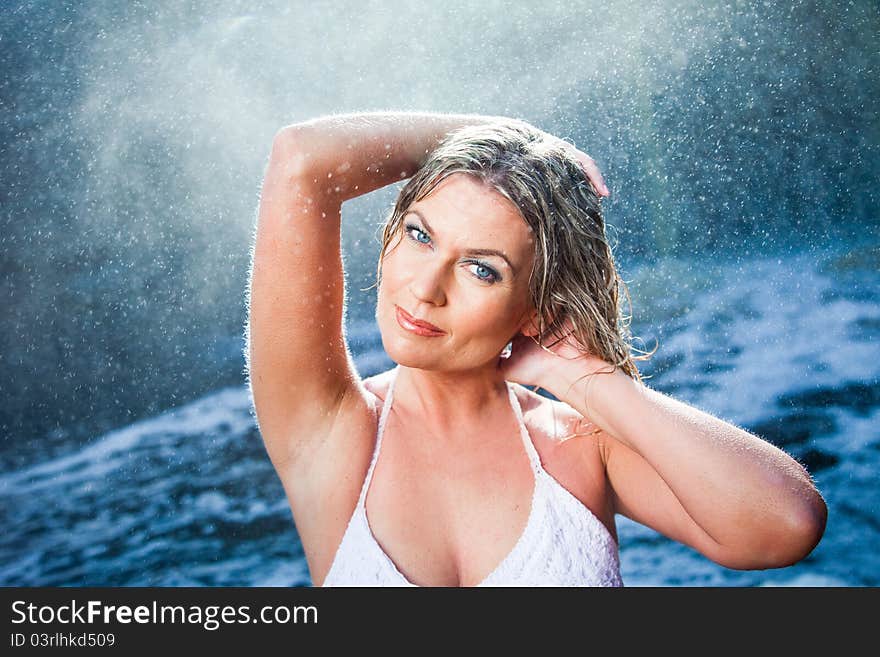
(427, 355)
(422, 353)
(410, 353)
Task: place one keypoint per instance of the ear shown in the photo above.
(529, 326)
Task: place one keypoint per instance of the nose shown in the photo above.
(428, 283)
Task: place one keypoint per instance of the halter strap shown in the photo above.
(383, 418)
(534, 459)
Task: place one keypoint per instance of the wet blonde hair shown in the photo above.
(574, 276)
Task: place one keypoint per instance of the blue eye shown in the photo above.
(419, 234)
(488, 274)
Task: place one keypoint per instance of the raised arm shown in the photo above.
(298, 365)
(693, 477)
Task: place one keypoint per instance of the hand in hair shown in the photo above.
(532, 363)
(588, 164)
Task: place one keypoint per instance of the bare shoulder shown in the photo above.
(323, 489)
(349, 443)
(571, 449)
(359, 413)
(554, 417)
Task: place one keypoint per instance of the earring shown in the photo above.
(508, 349)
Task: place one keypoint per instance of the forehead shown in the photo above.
(462, 209)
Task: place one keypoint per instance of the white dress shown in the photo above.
(563, 543)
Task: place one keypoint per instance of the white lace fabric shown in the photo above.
(563, 543)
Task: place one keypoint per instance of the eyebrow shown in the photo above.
(483, 252)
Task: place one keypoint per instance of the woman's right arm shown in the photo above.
(299, 370)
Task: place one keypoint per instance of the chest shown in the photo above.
(450, 517)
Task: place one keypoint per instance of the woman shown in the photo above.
(494, 270)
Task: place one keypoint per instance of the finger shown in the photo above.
(595, 177)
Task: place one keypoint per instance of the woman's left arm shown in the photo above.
(734, 497)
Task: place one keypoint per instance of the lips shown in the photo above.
(418, 326)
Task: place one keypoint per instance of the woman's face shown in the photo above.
(461, 263)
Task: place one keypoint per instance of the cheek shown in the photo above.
(389, 271)
(395, 261)
(490, 318)
(391, 282)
